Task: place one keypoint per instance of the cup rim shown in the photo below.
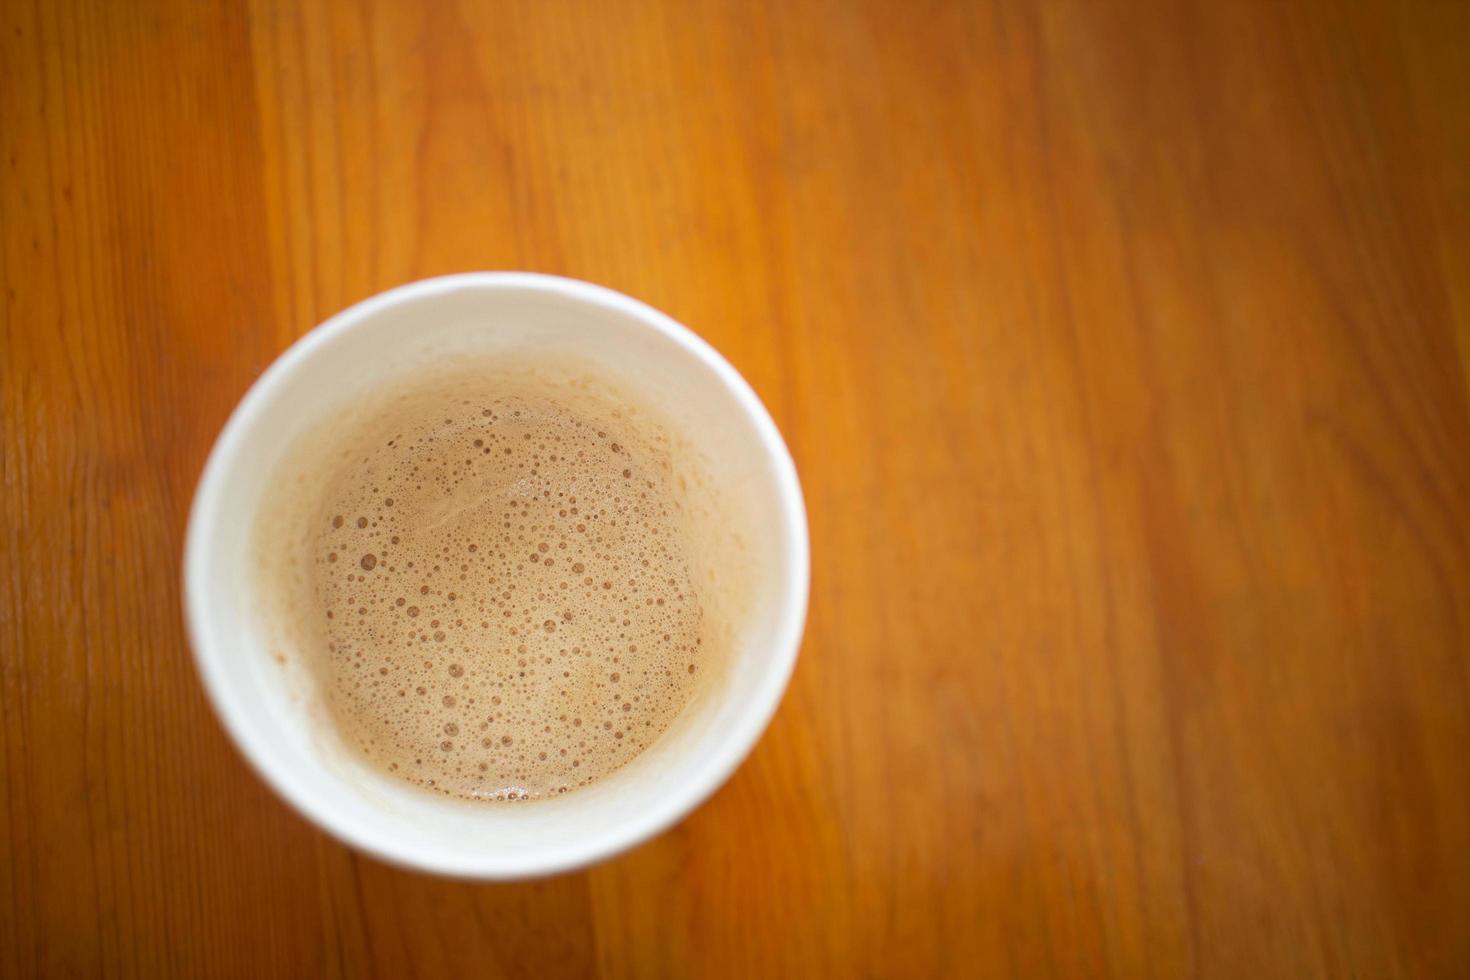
(660, 813)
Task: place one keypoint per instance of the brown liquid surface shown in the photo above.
(500, 597)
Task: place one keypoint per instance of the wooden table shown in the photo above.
(1123, 349)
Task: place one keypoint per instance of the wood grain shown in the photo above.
(1124, 352)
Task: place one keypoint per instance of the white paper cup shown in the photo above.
(278, 726)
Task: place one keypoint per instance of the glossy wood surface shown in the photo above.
(1123, 349)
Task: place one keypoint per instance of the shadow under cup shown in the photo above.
(276, 716)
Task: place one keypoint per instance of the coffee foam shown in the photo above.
(493, 577)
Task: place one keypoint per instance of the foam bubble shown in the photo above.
(538, 600)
